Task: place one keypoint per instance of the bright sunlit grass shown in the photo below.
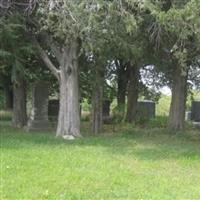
(130, 164)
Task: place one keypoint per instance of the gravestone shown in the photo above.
(188, 115)
(53, 109)
(196, 111)
(39, 114)
(146, 109)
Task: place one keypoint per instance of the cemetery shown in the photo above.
(99, 100)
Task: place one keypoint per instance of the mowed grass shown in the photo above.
(130, 164)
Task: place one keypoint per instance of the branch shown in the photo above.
(46, 60)
(47, 39)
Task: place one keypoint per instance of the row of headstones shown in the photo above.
(44, 112)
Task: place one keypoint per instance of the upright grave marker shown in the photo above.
(196, 110)
(39, 114)
(146, 109)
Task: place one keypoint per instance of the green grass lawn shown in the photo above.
(130, 164)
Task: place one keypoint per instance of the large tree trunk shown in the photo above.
(122, 81)
(132, 93)
(67, 75)
(69, 114)
(178, 101)
(19, 118)
(97, 103)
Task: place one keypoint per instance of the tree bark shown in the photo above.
(97, 103)
(69, 114)
(122, 81)
(19, 118)
(67, 75)
(178, 101)
(132, 93)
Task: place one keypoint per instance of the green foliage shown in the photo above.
(118, 114)
(162, 108)
(149, 94)
(101, 25)
(16, 49)
(85, 105)
(174, 31)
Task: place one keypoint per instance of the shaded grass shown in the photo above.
(132, 163)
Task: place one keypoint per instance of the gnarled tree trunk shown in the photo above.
(67, 75)
(132, 93)
(178, 101)
(69, 113)
(19, 118)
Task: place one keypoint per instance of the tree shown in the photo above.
(14, 60)
(133, 92)
(174, 23)
(125, 49)
(67, 34)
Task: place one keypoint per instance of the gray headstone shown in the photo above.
(146, 109)
(196, 110)
(188, 115)
(39, 114)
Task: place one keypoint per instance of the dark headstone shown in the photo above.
(53, 109)
(146, 109)
(196, 110)
(39, 114)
